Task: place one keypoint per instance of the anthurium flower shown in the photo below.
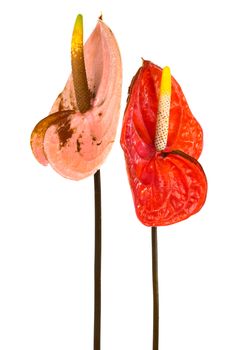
(162, 141)
(78, 133)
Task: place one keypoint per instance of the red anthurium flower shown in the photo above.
(162, 141)
(78, 133)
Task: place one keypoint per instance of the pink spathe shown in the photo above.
(76, 144)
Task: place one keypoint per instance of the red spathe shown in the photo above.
(167, 186)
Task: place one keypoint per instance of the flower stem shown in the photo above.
(97, 278)
(155, 288)
(83, 99)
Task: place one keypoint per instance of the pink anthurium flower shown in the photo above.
(77, 135)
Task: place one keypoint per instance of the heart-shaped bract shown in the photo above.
(168, 185)
(73, 142)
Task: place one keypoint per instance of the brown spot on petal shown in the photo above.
(64, 132)
(78, 146)
(164, 154)
(38, 134)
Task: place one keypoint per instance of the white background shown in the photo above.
(46, 221)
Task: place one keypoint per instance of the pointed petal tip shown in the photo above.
(144, 62)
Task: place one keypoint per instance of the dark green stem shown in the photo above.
(83, 99)
(97, 279)
(155, 288)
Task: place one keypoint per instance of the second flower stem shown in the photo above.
(155, 288)
(97, 273)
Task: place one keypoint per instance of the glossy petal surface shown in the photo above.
(167, 186)
(76, 144)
